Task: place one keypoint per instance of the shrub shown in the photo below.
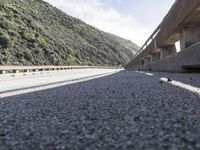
(38, 50)
(41, 41)
(28, 36)
(4, 24)
(4, 53)
(4, 40)
(20, 55)
(3, 59)
(27, 55)
(12, 33)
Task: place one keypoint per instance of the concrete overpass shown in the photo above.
(159, 52)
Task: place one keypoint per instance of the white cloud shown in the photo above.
(96, 13)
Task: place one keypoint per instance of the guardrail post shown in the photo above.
(2, 71)
(15, 71)
(26, 70)
(41, 70)
(35, 70)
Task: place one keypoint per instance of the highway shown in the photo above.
(13, 84)
(116, 111)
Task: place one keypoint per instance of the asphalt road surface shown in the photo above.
(13, 84)
(125, 110)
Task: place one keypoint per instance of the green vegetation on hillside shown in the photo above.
(32, 32)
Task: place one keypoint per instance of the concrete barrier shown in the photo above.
(188, 60)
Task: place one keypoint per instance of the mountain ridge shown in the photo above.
(34, 32)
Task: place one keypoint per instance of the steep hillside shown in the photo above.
(32, 32)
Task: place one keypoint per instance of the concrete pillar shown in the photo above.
(142, 61)
(135, 65)
(155, 43)
(167, 51)
(189, 36)
(148, 59)
(155, 57)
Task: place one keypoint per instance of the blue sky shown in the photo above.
(131, 19)
(144, 11)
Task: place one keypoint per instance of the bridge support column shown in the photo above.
(189, 37)
(155, 57)
(167, 51)
(148, 59)
(142, 61)
(136, 64)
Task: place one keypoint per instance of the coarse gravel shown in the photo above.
(126, 110)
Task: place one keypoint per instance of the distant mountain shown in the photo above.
(32, 32)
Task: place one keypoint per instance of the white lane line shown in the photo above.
(147, 73)
(190, 88)
(45, 87)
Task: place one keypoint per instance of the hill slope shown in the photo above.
(32, 32)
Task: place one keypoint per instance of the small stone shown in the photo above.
(133, 94)
(137, 118)
(169, 80)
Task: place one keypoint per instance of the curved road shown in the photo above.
(125, 110)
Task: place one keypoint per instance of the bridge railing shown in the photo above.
(149, 40)
(153, 35)
(25, 69)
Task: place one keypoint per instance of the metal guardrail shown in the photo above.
(18, 69)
